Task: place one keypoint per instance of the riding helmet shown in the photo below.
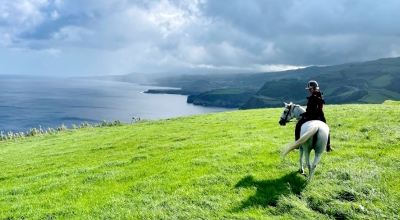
(312, 84)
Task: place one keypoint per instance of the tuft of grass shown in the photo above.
(216, 166)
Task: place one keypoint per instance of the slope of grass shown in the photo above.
(381, 81)
(216, 166)
(379, 96)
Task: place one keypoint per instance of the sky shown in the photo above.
(114, 37)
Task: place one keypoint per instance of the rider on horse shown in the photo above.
(314, 110)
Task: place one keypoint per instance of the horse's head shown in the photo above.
(287, 114)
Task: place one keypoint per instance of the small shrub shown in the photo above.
(104, 123)
(85, 125)
(41, 130)
(33, 132)
(62, 128)
(137, 120)
(2, 136)
(10, 135)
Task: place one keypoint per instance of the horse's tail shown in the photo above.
(310, 132)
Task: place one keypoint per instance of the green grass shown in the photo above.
(379, 96)
(381, 81)
(329, 90)
(216, 166)
(389, 93)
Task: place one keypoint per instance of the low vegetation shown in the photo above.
(43, 131)
(215, 166)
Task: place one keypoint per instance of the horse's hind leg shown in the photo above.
(301, 161)
(307, 154)
(319, 150)
(317, 158)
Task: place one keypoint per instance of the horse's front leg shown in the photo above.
(301, 161)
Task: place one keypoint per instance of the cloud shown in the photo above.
(116, 37)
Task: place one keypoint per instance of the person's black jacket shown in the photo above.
(315, 104)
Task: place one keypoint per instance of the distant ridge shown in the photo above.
(366, 82)
(357, 82)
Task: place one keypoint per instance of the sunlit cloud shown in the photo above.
(117, 37)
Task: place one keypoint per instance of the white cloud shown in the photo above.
(73, 33)
(274, 67)
(5, 39)
(54, 15)
(52, 51)
(23, 13)
(117, 37)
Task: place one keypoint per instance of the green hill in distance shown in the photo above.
(215, 166)
(362, 82)
(368, 82)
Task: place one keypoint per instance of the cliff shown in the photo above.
(226, 98)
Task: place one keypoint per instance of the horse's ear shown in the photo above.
(285, 103)
(290, 103)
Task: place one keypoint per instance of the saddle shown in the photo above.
(309, 117)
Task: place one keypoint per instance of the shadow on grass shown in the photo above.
(268, 191)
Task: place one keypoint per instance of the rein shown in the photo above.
(288, 113)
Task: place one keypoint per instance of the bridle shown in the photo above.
(288, 113)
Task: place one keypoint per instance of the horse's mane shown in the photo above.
(296, 105)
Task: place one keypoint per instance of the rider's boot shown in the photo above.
(328, 145)
(297, 135)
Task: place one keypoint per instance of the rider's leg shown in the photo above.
(298, 128)
(328, 144)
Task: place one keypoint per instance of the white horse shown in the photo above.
(307, 136)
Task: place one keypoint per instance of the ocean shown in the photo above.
(50, 102)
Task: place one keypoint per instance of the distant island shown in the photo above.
(171, 91)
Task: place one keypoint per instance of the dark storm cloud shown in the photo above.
(313, 32)
(159, 35)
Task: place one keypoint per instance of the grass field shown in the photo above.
(379, 96)
(216, 166)
(381, 81)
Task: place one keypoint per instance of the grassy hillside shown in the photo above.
(367, 82)
(215, 166)
(248, 81)
(350, 83)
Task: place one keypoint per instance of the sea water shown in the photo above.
(48, 102)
